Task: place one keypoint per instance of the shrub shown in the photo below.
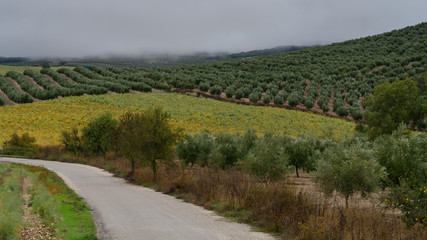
(215, 90)
(239, 94)
(294, 99)
(309, 102)
(266, 99)
(98, 135)
(348, 169)
(195, 149)
(267, 160)
(229, 92)
(356, 113)
(72, 141)
(24, 141)
(278, 100)
(226, 151)
(342, 111)
(254, 97)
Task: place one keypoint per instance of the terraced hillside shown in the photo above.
(332, 79)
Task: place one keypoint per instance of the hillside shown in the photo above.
(45, 120)
(331, 79)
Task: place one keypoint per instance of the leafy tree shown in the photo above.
(72, 141)
(403, 155)
(342, 111)
(146, 137)
(348, 169)
(301, 152)
(226, 151)
(195, 149)
(267, 160)
(98, 134)
(392, 104)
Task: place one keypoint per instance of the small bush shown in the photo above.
(226, 151)
(342, 111)
(215, 90)
(267, 99)
(23, 141)
(356, 113)
(195, 149)
(204, 86)
(278, 100)
(239, 94)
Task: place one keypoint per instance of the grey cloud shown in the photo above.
(94, 27)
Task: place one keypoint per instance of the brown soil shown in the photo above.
(7, 101)
(51, 79)
(305, 184)
(67, 77)
(15, 84)
(35, 228)
(33, 82)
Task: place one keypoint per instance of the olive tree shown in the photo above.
(146, 137)
(348, 169)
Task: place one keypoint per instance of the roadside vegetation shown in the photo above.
(36, 203)
(247, 162)
(247, 177)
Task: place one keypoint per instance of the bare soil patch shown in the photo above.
(35, 228)
(15, 84)
(34, 82)
(51, 79)
(7, 101)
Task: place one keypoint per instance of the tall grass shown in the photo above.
(11, 213)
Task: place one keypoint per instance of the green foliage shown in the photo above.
(13, 93)
(392, 104)
(72, 141)
(195, 149)
(342, 111)
(404, 155)
(23, 141)
(348, 169)
(301, 152)
(267, 160)
(98, 135)
(356, 113)
(226, 151)
(1, 101)
(11, 213)
(147, 137)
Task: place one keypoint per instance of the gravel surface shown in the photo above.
(124, 211)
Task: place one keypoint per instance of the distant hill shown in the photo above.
(330, 79)
(148, 61)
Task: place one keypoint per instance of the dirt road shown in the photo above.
(123, 211)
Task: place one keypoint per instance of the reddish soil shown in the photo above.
(51, 79)
(34, 82)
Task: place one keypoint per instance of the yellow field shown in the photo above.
(4, 69)
(45, 120)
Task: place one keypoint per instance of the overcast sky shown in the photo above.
(77, 28)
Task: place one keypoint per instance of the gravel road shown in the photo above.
(123, 211)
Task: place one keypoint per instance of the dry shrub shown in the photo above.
(275, 206)
(357, 223)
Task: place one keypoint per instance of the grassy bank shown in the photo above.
(50, 207)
